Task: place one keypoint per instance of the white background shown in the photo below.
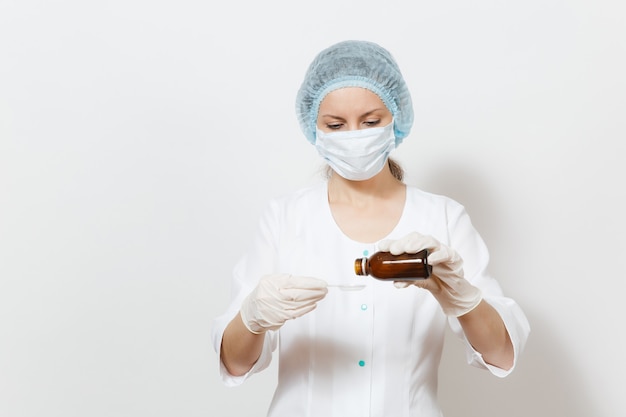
(140, 139)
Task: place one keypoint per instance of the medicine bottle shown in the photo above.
(403, 267)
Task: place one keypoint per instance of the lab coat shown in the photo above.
(372, 352)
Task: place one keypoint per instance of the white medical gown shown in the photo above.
(373, 352)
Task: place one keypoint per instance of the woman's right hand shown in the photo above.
(447, 283)
(278, 298)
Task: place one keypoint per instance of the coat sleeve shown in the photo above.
(465, 239)
(258, 260)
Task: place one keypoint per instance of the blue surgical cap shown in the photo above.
(354, 64)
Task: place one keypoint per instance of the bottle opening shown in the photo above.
(360, 266)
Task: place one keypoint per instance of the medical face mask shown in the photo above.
(356, 155)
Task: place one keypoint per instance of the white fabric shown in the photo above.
(356, 155)
(373, 352)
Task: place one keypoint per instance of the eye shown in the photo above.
(334, 126)
(371, 123)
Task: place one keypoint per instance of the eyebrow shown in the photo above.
(363, 115)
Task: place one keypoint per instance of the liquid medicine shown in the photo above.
(403, 267)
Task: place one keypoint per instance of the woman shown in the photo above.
(376, 350)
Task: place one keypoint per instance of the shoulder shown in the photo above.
(293, 212)
(300, 195)
(436, 209)
(302, 200)
(424, 199)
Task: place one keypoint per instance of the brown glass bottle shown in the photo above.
(403, 267)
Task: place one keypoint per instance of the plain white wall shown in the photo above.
(140, 139)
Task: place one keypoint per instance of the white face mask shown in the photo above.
(356, 154)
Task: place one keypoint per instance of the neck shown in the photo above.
(382, 186)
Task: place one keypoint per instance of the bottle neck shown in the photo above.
(365, 266)
(361, 266)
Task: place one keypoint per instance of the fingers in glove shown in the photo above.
(295, 281)
(411, 243)
(384, 245)
(443, 254)
(415, 242)
(299, 295)
(300, 310)
(420, 283)
(298, 288)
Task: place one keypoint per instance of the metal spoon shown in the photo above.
(348, 287)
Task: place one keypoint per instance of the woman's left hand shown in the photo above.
(447, 284)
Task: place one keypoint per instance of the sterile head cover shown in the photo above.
(354, 64)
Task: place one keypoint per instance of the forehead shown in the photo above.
(353, 99)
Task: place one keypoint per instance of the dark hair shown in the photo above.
(394, 167)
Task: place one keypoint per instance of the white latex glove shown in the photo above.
(453, 292)
(278, 298)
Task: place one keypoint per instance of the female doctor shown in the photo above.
(350, 345)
